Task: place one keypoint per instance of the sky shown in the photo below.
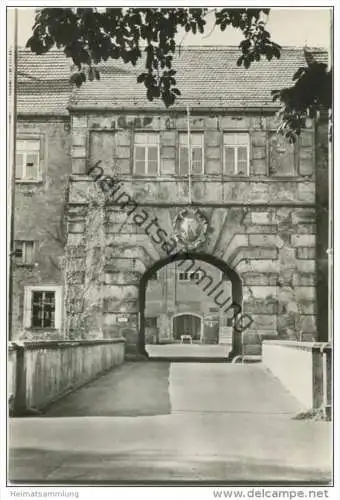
(291, 26)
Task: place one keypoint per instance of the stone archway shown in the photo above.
(192, 257)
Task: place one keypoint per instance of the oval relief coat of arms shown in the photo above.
(190, 228)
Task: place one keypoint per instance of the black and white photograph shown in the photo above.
(170, 248)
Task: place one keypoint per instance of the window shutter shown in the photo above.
(18, 165)
(152, 160)
(32, 166)
(197, 160)
(229, 160)
(29, 252)
(242, 160)
(183, 161)
(140, 160)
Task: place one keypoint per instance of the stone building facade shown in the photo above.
(256, 192)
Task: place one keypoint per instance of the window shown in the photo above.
(236, 153)
(195, 276)
(151, 322)
(146, 154)
(187, 276)
(24, 253)
(183, 276)
(42, 307)
(27, 166)
(196, 143)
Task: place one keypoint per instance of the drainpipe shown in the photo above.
(13, 125)
(330, 198)
(326, 379)
(189, 155)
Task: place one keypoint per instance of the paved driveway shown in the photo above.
(180, 422)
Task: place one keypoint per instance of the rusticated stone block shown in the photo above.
(261, 229)
(255, 255)
(168, 138)
(212, 138)
(122, 152)
(306, 293)
(307, 228)
(114, 265)
(123, 138)
(168, 152)
(259, 138)
(304, 280)
(211, 122)
(306, 166)
(305, 253)
(235, 122)
(111, 305)
(121, 293)
(259, 266)
(261, 306)
(124, 228)
(123, 278)
(308, 307)
(259, 166)
(213, 166)
(308, 323)
(168, 166)
(306, 192)
(259, 153)
(266, 279)
(264, 322)
(213, 153)
(264, 240)
(266, 293)
(303, 240)
(78, 165)
(303, 216)
(307, 138)
(306, 266)
(76, 227)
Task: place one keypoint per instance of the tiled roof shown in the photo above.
(207, 77)
(43, 82)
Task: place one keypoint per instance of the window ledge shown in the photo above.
(38, 329)
(27, 181)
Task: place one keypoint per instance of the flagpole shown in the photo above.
(12, 157)
(189, 155)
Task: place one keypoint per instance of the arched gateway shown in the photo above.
(190, 263)
(248, 208)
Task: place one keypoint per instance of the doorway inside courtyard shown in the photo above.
(188, 307)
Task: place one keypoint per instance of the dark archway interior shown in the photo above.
(210, 259)
(186, 324)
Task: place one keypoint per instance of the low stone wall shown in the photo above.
(304, 368)
(45, 371)
(11, 374)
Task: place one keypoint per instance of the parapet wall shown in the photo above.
(42, 372)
